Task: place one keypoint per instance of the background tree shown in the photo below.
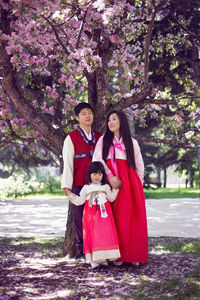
(53, 53)
(187, 163)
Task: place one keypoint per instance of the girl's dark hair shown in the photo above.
(95, 167)
(125, 133)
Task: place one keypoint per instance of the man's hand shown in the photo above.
(115, 182)
(66, 191)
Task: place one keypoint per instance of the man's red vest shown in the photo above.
(82, 156)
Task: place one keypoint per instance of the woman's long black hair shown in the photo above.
(125, 133)
(95, 167)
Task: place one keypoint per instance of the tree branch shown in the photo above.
(146, 51)
(54, 154)
(161, 101)
(126, 102)
(148, 41)
(56, 34)
(185, 28)
(26, 109)
(193, 129)
(81, 29)
(166, 142)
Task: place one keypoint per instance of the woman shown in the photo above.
(122, 159)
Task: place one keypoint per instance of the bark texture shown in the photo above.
(69, 244)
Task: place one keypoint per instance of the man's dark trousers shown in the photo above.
(78, 215)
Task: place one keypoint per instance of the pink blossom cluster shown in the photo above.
(69, 43)
(29, 50)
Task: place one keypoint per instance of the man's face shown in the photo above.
(85, 117)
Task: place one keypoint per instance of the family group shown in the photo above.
(103, 178)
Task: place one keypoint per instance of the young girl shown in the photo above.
(100, 240)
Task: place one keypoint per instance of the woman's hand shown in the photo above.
(115, 182)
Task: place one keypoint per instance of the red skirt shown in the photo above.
(130, 215)
(100, 240)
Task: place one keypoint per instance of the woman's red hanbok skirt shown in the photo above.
(100, 240)
(130, 215)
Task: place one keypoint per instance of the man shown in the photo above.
(78, 149)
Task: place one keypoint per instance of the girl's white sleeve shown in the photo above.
(111, 194)
(138, 160)
(97, 156)
(78, 200)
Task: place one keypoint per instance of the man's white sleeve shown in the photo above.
(68, 163)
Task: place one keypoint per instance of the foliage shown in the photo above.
(14, 159)
(19, 185)
(36, 269)
(188, 164)
(22, 184)
(133, 55)
(50, 182)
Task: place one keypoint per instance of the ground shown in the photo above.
(34, 268)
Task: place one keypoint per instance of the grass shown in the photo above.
(183, 246)
(43, 194)
(159, 193)
(34, 268)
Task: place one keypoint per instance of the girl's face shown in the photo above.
(114, 123)
(96, 177)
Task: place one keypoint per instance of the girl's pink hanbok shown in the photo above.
(100, 241)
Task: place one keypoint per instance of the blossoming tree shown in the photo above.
(55, 52)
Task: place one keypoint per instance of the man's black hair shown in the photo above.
(81, 106)
(95, 167)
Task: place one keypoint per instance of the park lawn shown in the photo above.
(162, 193)
(43, 194)
(159, 193)
(34, 268)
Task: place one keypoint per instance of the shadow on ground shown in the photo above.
(35, 269)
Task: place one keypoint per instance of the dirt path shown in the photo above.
(46, 218)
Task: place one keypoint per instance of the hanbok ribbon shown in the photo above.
(103, 211)
(120, 146)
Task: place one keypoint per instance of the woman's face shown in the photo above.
(114, 123)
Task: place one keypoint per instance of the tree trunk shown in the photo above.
(191, 179)
(96, 92)
(198, 156)
(70, 242)
(165, 177)
(159, 175)
(196, 78)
